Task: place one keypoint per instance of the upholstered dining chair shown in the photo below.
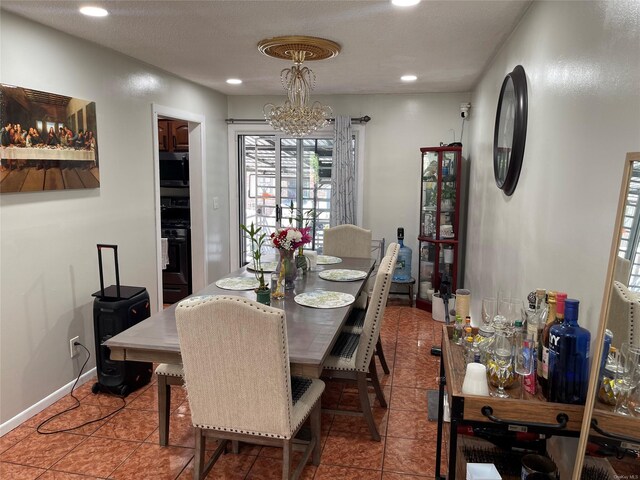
(236, 369)
(352, 356)
(168, 375)
(355, 321)
(347, 241)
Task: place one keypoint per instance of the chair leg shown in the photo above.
(235, 447)
(383, 360)
(164, 407)
(373, 375)
(286, 459)
(199, 455)
(366, 406)
(316, 428)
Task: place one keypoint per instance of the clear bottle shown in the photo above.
(403, 264)
(569, 358)
(542, 370)
(458, 331)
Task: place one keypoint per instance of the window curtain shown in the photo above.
(343, 174)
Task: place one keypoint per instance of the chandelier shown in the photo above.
(298, 116)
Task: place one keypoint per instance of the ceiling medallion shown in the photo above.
(298, 116)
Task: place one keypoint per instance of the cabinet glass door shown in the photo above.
(430, 174)
(448, 195)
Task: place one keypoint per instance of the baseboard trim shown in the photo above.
(44, 403)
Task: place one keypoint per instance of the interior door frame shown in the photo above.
(233, 131)
(197, 194)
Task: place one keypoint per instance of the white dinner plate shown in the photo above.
(238, 283)
(324, 299)
(342, 275)
(267, 267)
(328, 260)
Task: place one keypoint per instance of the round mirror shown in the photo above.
(510, 130)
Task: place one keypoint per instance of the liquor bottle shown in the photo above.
(560, 311)
(569, 358)
(534, 318)
(543, 343)
(403, 264)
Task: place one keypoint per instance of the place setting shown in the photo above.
(328, 260)
(342, 275)
(238, 283)
(324, 299)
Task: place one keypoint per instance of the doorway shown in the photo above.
(179, 166)
(281, 178)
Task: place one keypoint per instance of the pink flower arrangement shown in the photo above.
(290, 238)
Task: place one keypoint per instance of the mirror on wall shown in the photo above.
(614, 429)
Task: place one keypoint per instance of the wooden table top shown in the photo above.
(311, 331)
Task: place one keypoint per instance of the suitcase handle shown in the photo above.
(115, 257)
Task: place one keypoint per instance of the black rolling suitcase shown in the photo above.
(115, 309)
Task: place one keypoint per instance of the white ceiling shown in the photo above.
(447, 44)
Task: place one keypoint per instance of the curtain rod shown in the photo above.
(359, 120)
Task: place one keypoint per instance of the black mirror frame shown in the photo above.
(519, 79)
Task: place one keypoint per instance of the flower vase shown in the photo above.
(263, 296)
(301, 261)
(287, 269)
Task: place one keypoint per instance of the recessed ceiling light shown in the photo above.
(94, 11)
(405, 3)
(234, 81)
(408, 78)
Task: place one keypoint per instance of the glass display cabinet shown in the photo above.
(439, 221)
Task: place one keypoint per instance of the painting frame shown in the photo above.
(42, 145)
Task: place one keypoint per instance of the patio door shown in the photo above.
(280, 177)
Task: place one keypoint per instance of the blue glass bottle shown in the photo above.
(403, 264)
(569, 358)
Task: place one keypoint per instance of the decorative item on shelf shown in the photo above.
(263, 293)
(298, 116)
(287, 241)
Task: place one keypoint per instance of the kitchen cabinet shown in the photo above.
(439, 238)
(173, 135)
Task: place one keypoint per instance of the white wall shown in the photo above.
(48, 253)
(400, 124)
(582, 61)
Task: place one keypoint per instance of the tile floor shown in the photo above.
(126, 445)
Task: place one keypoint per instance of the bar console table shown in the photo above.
(531, 414)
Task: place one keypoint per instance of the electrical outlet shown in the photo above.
(72, 348)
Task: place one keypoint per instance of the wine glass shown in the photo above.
(489, 310)
(504, 313)
(502, 357)
(523, 356)
(515, 314)
(627, 377)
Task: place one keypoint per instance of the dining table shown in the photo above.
(311, 332)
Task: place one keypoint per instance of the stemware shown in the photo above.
(503, 316)
(489, 310)
(516, 312)
(628, 378)
(502, 357)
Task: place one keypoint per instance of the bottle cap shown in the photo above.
(518, 323)
(551, 297)
(571, 309)
(531, 298)
(540, 292)
(560, 303)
